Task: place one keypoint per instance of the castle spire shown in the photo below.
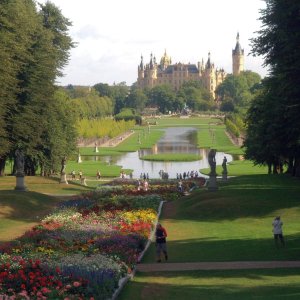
(142, 63)
(237, 57)
(208, 64)
(151, 61)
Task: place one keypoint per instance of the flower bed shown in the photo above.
(84, 247)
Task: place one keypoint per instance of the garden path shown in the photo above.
(232, 265)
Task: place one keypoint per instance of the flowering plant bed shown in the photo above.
(83, 248)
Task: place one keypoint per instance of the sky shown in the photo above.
(111, 35)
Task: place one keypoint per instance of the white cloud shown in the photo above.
(111, 35)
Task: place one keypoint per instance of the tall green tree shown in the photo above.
(163, 97)
(136, 99)
(279, 43)
(238, 91)
(36, 46)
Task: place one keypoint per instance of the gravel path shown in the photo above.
(232, 265)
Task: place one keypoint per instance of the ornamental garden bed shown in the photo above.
(84, 247)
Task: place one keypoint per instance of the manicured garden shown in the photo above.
(232, 224)
(84, 247)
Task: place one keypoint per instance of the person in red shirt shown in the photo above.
(161, 243)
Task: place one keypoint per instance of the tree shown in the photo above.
(38, 45)
(238, 90)
(163, 97)
(136, 99)
(278, 41)
(195, 96)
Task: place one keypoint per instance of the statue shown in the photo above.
(224, 165)
(63, 165)
(212, 161)
(19, 161)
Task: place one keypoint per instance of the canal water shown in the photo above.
(175, 140)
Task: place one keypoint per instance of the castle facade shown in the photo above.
(164, 72)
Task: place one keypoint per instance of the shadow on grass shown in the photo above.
(245, 196)
(204, 249)
(233, 284)
(25, 206)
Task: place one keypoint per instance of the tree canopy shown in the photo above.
(273, 119)
(35, 47)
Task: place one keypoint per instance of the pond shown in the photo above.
(175, 140)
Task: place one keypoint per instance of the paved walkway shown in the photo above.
(232, 265)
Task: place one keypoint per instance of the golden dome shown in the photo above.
(165, 60)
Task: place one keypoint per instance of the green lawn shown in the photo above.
(175, 121)
(234, 223)
(215, 285)
(172, 157)
(44, 185)
(239, 168)
(231, 224)
(19, 211)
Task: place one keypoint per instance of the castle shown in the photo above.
(153, 74)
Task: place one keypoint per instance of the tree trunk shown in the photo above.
(2, 166)
(296, 170)
(290, 166)
(269, 168)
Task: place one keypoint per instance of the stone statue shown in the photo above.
(212, 161)
(63, 165)
(224, 164)
(19, 161)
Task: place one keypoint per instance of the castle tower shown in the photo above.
(237, 57)
(141, 68)
(209, 78)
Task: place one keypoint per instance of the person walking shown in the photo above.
(277, 231)
(161, 243)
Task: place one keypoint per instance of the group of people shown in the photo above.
(73, 175)
(187, 175)
(80, 175)
(163, 174)
(142, 185)
(144, 176)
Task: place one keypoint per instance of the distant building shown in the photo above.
(237, 57)
(164, 72)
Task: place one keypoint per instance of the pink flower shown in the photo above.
(76, 284)
(45, 290)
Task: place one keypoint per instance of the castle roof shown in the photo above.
(238, 49)
(191, 68)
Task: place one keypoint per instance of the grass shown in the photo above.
(172, 157)
(175, 121)
(234, 223)
(44, 185)
(19, 211)
(89, 168)
(215, 285)
(239, 168)
(215, 137)
(231, 224)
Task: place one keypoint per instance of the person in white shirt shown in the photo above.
(277, 231)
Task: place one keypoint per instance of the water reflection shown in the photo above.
(175, 140)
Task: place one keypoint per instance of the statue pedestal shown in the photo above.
(63, 179)
(224, 176)
(79, 159)
(212, 183)
(83, 181)
(20, 183)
